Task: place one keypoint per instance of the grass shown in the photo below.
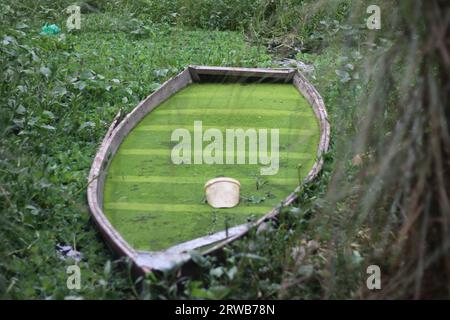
(154, 203)
(58, 97)
(66, 90)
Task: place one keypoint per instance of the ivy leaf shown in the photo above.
(161, 72)
(216, 272)
(7, 40)
(48, 127)
(306, 270)
(86, 74)
(344, 76)
(198, 259)
(22, 89)
(45, 71)
(232, 272)
(21, 26)
(59, 91)
(48, 114)
(80, 85)
(87, 124)
(107, 269)
(33, 210)
(154, 86)
(21, 109)
(255, 199)
(356, 257)
(349, 66)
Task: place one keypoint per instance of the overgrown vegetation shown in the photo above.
(382, 197)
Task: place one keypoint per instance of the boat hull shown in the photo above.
(145, 261)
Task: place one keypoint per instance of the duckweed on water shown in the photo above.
(154, 203)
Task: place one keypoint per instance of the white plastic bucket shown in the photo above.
(222, 192)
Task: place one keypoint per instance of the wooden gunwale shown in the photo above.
(147, 261)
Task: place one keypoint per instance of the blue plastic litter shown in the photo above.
(50, 29)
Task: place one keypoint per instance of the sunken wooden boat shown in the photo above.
(152, 211)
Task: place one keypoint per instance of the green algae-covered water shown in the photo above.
(154, 203)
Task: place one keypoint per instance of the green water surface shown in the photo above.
(155, 204)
